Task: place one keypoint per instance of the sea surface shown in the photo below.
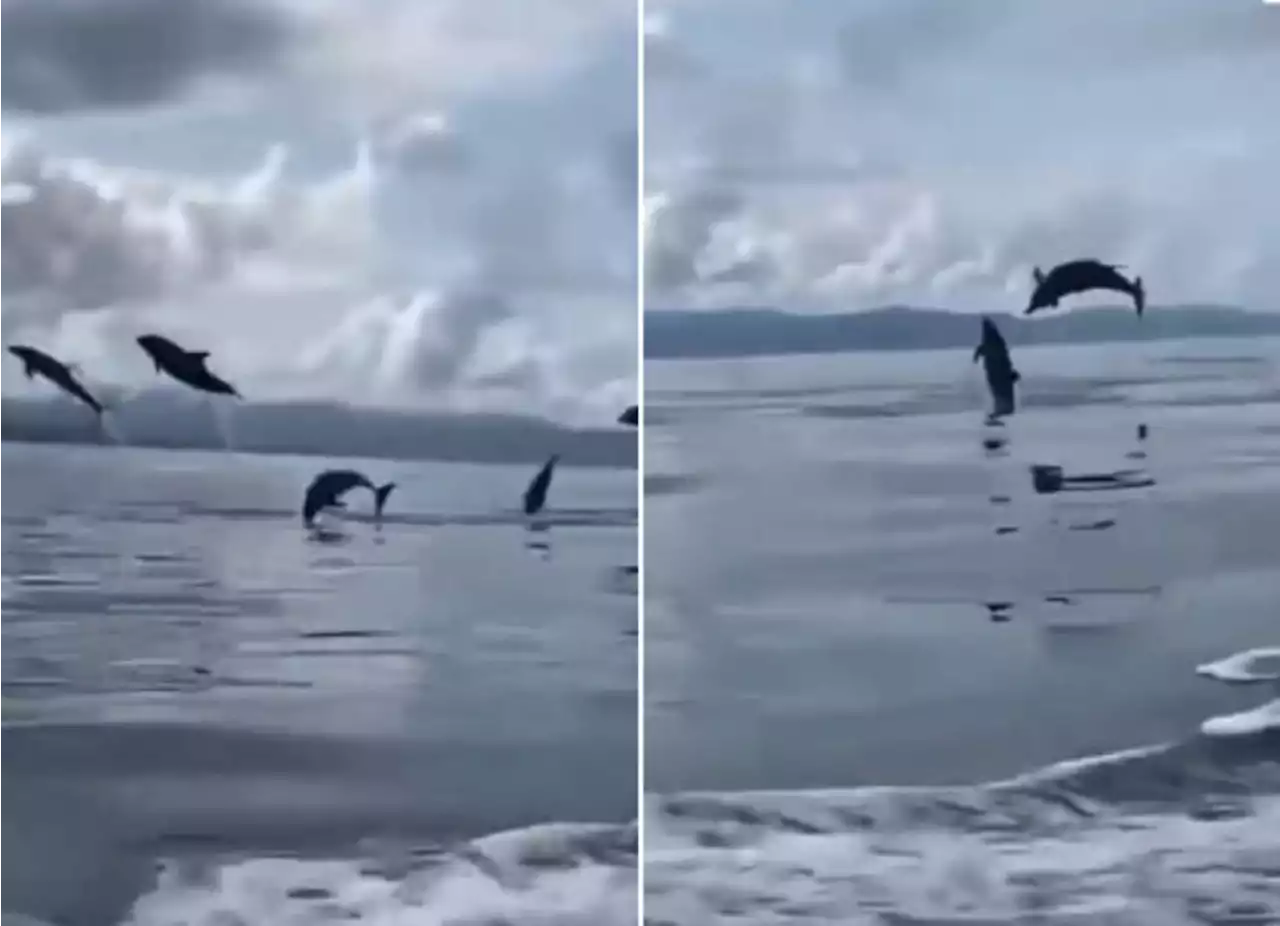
(902, 667)
(213, 716)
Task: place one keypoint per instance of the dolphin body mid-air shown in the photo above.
(536, 495)
(327, 489)
(186, 366)
(1001, 376)
(630, 416)
(1078, 276)
(55, 371)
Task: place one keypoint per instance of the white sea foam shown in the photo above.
(1161, 869)
(1254, 665)
(1245, 723)
(563, 874)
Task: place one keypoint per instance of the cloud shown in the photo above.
(93, 256)
(422, 142)
(85, 237)
(855, 154)
(404, 52)
(369, 58)
(62, 55)
(442, 217)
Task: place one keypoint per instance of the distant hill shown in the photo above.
(737, 332)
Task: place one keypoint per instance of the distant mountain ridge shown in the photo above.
(737, 332)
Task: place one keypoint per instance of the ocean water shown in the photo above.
(212, 716)
(902, 667)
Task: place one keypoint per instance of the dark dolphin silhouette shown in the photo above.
(1078, 276)
(631, 416)
(186, 366)
(536, 495)
(327, 489)
(1001, 376)
(55, 371)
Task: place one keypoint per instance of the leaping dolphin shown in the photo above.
(55, 371)
(327, 489)
(1078, 276)
(186, 366)
(998, 365)
(536, 495)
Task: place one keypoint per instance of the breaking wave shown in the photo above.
(561, 873)
(1178, 833)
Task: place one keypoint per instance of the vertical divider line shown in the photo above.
(641, 575)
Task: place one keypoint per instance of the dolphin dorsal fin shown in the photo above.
(198, 354)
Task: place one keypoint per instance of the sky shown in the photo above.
(391, 202)
(834, 155)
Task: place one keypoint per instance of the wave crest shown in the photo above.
(563, 874)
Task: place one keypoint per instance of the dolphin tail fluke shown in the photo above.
(1139, 295)
(380, 495)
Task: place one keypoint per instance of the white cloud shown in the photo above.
(853, 154)
(436, 220)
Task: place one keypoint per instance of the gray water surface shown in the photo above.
(821, 542)
(186, 670)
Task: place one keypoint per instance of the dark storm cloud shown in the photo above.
(63, 55)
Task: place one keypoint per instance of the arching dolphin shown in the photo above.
(631, 416)
(1001, 376)
(187, 367)
(327, 489)
(536, 495)
(55, 371)
(1078, 276)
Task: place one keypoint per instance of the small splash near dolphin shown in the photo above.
(223, 420)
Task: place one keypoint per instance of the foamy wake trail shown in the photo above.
(552, 875)
(1055, 847)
